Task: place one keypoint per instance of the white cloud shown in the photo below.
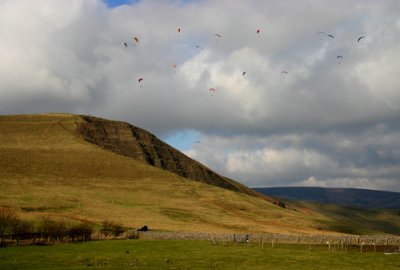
(324, 119)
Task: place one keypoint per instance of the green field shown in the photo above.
(152, 254)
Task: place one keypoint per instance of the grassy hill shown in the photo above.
(49, 167)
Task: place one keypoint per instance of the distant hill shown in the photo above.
(340, 196)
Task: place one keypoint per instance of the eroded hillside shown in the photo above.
(137, 143)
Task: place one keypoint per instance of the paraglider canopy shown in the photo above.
(322, 34)
(136, 39)
(140, 79)
(360, 38)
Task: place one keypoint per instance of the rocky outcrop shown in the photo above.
(137, 143)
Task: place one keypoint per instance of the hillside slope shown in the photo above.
(341, 196)
(134, 142)
(48, 168)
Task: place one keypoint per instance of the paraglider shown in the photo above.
(211, 90)
(322, 34)
(360, 38)
(125, 45)
(136, 39)
(339, 57)
(244, 73)
(258, 32)
(217, 36)
(140, 80)
(174, 67)
(284, 72)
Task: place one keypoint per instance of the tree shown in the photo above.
(53, 228)
(22, 229)
(81, 231)
(8, 217)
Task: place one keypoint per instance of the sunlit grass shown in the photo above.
(147, 254)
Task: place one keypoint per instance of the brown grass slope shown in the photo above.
(48, 168)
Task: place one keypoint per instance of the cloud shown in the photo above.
(330, 121)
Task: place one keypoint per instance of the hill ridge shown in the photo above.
(134, 142)
(357, 197)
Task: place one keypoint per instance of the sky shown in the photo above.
(299, 116)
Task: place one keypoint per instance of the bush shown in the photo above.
(110, 227)
(82, 231)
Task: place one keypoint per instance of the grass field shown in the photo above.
(151, 254)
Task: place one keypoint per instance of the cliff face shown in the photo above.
(134, 142)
